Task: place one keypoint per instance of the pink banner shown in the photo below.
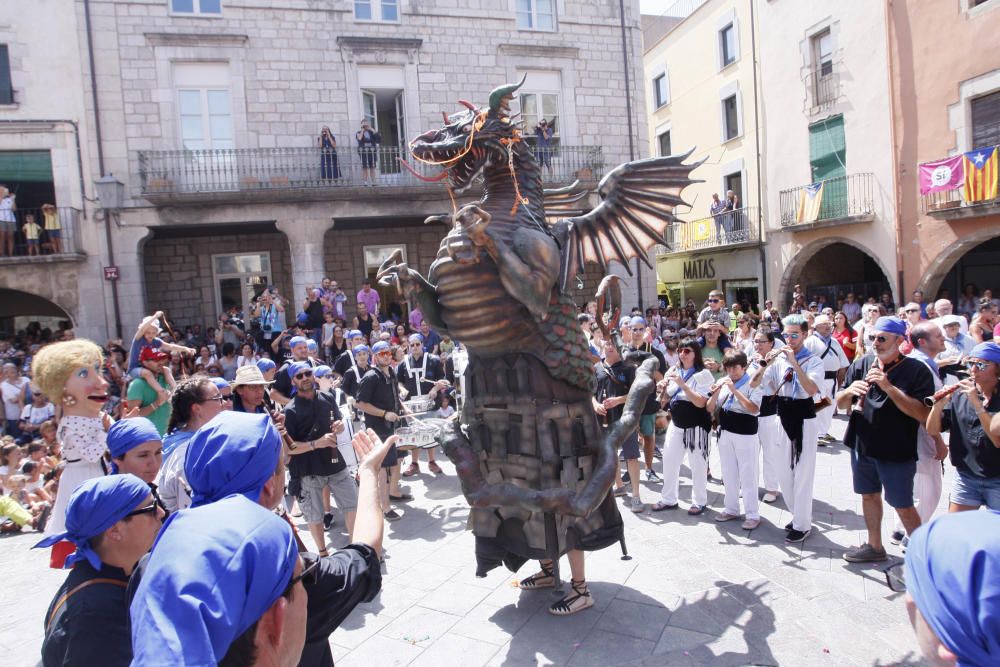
(941, 175)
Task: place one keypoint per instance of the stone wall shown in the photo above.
(179, 279)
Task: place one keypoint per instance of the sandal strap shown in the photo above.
(567, 602)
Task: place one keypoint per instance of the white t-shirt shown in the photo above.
(11, 393)
(755, 394)
(35, 415)
(700, 383)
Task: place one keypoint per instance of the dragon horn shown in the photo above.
(468, 105)
(498, 94)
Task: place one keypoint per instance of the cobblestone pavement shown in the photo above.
(694, 592)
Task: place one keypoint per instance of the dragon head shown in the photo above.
(470, 139)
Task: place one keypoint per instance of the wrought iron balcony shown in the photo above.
(845, 199)
(261, 169)
(730, 228)
(824, 83)
(951, 205)
(60, 242)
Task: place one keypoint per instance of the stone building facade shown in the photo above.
(211, 119)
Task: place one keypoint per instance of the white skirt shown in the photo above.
(73, 476)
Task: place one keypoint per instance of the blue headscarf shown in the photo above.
(890, 324)
(988, 351)
(322, 371)
(213, 572)
(953, 574)
(220, 383)
(127, 434)
(95, 506)
(297, 340)
(296, 367)
(236, 452)
(264, 365)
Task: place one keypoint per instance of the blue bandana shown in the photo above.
(989, 351)
(416, 338)
(354, 333)
(264, 365)
(213, 572)
(311, 344)
(892, 325)
(220, 383)
(127, 434)
(322, 371)
(361, 348)
(737, 386)
(296, 367)
(380, 346)
(800, 356)
(95, 506)
(953, 574)
(297, 340)
(236, 452)
(687, 376)
(637, 321)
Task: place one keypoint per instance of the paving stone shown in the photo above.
(602, 648)
(453, 649)
(380, 651)
(632, 619)
(454, 598)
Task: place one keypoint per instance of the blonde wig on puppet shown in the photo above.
(54, 363)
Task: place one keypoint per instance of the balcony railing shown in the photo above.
(839, 198)
(952, 203)
(247, 169)
(62, 239)
(825, 84)
(727, 228)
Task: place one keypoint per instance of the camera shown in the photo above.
(236, 322)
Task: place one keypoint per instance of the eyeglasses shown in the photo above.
(148, 509)
(303, 374)
(219, 397)
(978, 365)
(913, 310)
(761, 342)
(308, 575)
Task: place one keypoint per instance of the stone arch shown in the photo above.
(52, 283)
(18, 303)
(807, 252)
(936, 271)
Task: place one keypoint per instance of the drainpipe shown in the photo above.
(894, 171)
(631, 140)
(760, 173)
(100, 164)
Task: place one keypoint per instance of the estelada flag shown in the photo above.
(810, 202)
(942, 175)
(981, 175)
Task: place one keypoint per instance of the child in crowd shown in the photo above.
(18, 510)
(53, 228)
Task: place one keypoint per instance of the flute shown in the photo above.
(272, 412)
(941, 394)
(672, 372)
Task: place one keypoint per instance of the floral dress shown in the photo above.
(83, 443)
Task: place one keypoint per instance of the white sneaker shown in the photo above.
(637, 505)
(769, 497)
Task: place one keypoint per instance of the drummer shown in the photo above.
(346, 360)
(353, 374)
(421, 374)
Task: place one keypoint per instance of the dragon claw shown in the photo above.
(609, 302)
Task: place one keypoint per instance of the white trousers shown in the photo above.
(767, 435)
(824, 417)
(797, 482)
(738, 454)
(927, 488)
(673, 456)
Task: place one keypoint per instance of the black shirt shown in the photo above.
(381, 391)
(342, 363)
(365, 325)
(883, 431)
(613, 381)
(309, 419)
(352, 381)
(91, 627)
(344, 579)
(652, 404)
(315, 312)
(435, 371)
(282, 382)
(972, 451)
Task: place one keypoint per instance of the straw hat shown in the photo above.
(248, 374)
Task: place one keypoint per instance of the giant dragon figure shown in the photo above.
(532, 460)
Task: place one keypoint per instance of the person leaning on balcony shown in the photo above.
(328, 165)
(732, 203)
(53, 229)
(8, 223)
(717, 209)
(368, 144)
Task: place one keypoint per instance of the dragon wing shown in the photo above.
(562, 203)
(638, 201)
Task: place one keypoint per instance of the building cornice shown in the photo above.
(539, 51)
(194, 39)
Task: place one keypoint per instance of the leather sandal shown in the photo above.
(414, 469)
(543, 579)
(434, 467)
(572, 604)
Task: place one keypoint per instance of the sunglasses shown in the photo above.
(978, 365)
(912, 311)
(638, 329)
(303, 374)
(148, 509)
(685, 350)
(309, 575)
(714, 300)
(793, 336)
(881, 339)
